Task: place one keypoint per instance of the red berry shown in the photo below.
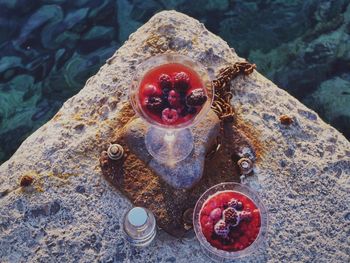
(216, 214)
(221, 228)
(230, 216)
(151, 90)
(197, 97)
(174, 98)
(169, 116)
(164, 81)
(181, 81)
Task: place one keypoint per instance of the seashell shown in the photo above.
(115, 151)
(245, 165)
(286, 120)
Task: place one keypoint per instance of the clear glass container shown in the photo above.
(139, 226)
(169, 143)
(222, 255)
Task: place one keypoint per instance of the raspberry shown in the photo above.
(230, 216)
(151, 90)
(245, 215)
(216, 214)
(169, 116)
(164, 81)
(221, 228)
(182, 81)
(174, 98)
(154, 103)
(196, 98)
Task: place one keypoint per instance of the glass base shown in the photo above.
(169, 146)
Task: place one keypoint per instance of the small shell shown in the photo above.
(245, 165)
(286, 120)
(187, 218)
(115, 151)
(26, 180)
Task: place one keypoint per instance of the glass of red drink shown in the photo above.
(171, 92)
(230, 221)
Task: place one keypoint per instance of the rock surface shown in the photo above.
(72, 214)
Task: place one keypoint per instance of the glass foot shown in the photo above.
(169, 146)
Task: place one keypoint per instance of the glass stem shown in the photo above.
(169, 137)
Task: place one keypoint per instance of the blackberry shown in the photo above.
(239, 206)
(230, 216)
(181, 81)
(196, 98)
(188, 110)
(154, 103)
(164, 81)
(221, 228)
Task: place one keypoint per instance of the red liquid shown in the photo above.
(152, 77)
(240, 236)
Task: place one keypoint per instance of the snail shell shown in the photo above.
(115, 151)
(245, 165)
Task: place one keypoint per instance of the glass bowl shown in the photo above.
(218, 254)
(164, 59)
(170, 143)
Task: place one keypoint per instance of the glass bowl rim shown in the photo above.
(251, 194)
(176, 56)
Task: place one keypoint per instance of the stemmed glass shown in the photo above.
(170, 141)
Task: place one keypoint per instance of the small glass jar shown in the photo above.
(139, 226)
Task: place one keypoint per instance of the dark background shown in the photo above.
(49, 48)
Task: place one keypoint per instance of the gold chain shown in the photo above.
(222, 96)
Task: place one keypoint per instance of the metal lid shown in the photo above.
(137, 216)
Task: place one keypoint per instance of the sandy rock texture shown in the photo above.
(71, 213)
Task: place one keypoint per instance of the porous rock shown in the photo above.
(302, 176)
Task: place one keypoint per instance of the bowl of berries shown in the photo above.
(171, 92)
(230, 221)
